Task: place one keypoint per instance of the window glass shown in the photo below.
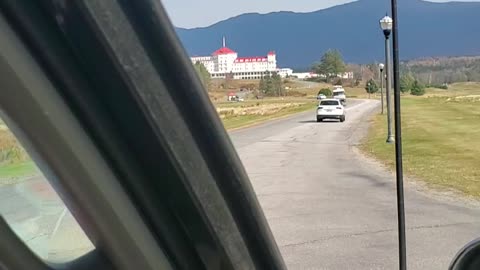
(323, 214)
(329, 102)
(33, 209)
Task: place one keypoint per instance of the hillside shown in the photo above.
(439, 70)
(425, 28)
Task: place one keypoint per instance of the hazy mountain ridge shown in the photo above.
(425, 29)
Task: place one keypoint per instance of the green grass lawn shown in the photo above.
(12, 173)
(441, 142)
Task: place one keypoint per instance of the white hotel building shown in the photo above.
(225, 62)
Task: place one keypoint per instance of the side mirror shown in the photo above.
(468, 258)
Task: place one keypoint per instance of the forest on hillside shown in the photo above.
(428, 71)
(442, 70)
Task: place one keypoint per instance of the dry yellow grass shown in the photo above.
(241, 117)
(309, 89)
(256, 109)
(10, 149)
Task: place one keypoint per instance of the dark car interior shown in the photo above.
(102, 94)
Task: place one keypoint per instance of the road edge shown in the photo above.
(269, 120)
(375, 165)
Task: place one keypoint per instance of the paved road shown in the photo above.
(330, 208)
(40, 218)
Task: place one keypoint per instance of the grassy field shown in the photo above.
(242, 114)
(15, 164)
(219, 89)
(441, 138)
(10, 173)
(301, 97)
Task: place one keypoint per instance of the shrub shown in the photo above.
(439, 86)
(325, 91)
(371, 87)
(10, 150)
(417, 89)
(406, 82)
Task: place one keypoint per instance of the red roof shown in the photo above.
(251, 59)
(223, 50)
(271, 53)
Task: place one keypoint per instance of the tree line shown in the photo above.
(408, 85)
(415, 75)
(444, 70)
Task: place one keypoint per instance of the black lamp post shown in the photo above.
(382, 78)
(386, 24)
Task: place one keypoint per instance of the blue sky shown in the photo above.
(198, 13)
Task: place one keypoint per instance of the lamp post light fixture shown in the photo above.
(386, 24)
(382, 78)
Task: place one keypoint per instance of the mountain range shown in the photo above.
(299, 39)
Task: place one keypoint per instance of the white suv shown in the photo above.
(330, 109)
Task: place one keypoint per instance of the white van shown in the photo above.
(339, 93)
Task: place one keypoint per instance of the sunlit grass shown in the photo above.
(237, 121)
(441, 140)
(13, 173)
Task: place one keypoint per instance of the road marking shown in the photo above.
(59, 221)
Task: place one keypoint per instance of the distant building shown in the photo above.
(285, 72)
(305, 75)
(225, 62)
(346, 75)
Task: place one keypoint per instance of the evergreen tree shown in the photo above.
(417, 89)
(330, 65)
(371, 87)
(406, 82)
(203, 74)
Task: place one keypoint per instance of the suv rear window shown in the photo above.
(329, 102)
(338, 93)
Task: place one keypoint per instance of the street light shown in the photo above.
(382, 78)
(386, 24)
